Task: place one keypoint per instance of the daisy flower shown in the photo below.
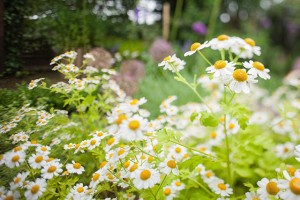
(197, 47)
(290, 186)
(200, 169)
(33, 83)
(129, 196)
(208, 176)
(220, 188)
(50, 169)
(14, 159)
(172, 63)
(169, 192)
(70, 54)
(89, 56)
(133, 105)
(169, 166)
(97, 177)
(19, 180)
(133, 128)
(240, 81)
(257, 69)
(79, 191)
(36, 161)
(268, 188)
(221, 68)
(75, 167)
(216, 137)
(259, 118)
(45, 150)
(178, 152)
(232, 125)
(221, 42)
(281, 126)
(35, 189)
(146, 177)
(252, 196)
(285, 150)
(10, 194)
(297, 153)
(110, 143)
(177, 185)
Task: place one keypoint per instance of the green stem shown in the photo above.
(193, 149)
(160, 185)
(222, 54)
(230, 55)
(202, 186)
(204, 58)
(176, 18)
(227, 145)
(146, 152)
(213, 19)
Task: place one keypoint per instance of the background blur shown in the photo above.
(142, 32)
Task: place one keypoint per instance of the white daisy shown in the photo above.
(172, 63)
(14, 159)
(197, 47)
(36, 161)
(285, 150)
(268, 188)
(133, 128)
(290, 186)
(216, 137)
(177, 185)
(169, 166)
(50, 169)
(11, 194)
(220, 188)
(221, 68)
(200, 169)
(169, 193)
(35, 189)
(97, 177)
(19, 180)
(178, 152)
(45, 150)
(240, 81)
(221, 42)
(79, 191)
(257, 69)
(146, 177)
(75, 167)
(259, 117)
(252, 196)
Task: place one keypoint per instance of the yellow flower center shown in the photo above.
(51, 169)
(17, 149)
(222, 37)
(134, 124)
(44, 148)
(213, 135)
(231, 126)
(121, 151)
(120, 119)
(109, 176)
(258, 65)
(195, 46)
(255, 198)
(100, 134)
(35, 189)
(208, 174)
(286, 150)
(39, 159)
(103, 164)
(111, 141)
(126, 164)
(134, 102)
(186, 155)
(177, 183)
(15, 158)
(80, 189)
(150, 159)
(96, 177)
(177, 149)
(295, 185)
(250, 42)
(11, 197)
(291, 170)
(17, 180)
(145, 174)
(76, 165)
(220, 64)
(171, 164)
(167, 58)
(272, 188)
(167, 191)
(93, 142)
(133, 167)
(240, 75)
(222, 119)
(222, 186)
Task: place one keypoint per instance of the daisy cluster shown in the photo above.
(238, 76)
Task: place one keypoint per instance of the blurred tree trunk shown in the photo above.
(1, 36)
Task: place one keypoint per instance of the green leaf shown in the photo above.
(192, 162)
(208, 119)
(193, 116)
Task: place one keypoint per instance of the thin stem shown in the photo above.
(193, 149)
(204, 58)
(178, 11)
(230, 55)
(222, 54)
(146, 152)
(202, 186)
(227, 145)
(160, 185)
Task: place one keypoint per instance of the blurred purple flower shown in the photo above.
(265, 22)
(160, 49)
(199, 27)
